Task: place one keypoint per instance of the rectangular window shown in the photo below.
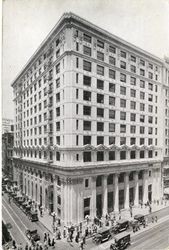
(87, 38)
(87, 66)
(142, 130)
(58, 68)
(100, 126)
(132, 92)
(142, 95)
(142, 84)
(150, 75)
(122, 115)
(122, 128)
(132, 105)
(112, 140)
(122, 155)
(150, 98)
(150, 86)
(86, 139)
(111, 127)
(100, 56)
(132, 154)
(112, 100)
(142, 72)
(100, 70)
(100, 140)
(87, 50)
(133, 68)
(112, 74)
(100, 156)
(122, 90)
(142, 106)
(122, 103)
(122, 77)
(132, 129)
(100, 84)
(100, 98)
(100, 44)
(133, 58)
(86, 95)
(123, 54)
(87, 156)
(112, 87)
(100, 112)
(87, 81)
(142, 141)
(142, 62)
(142, 118)
(87, 125)
(141, 154)
(112, 114)
(112, 60)
(122, 65)
(111, 155)
(112, 49)
(87, 110)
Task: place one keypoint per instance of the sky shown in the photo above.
(26, 23)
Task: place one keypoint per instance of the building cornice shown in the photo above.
(70, 18)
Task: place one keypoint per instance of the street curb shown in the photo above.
(46, 227)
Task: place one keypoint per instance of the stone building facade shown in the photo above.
(88, 131)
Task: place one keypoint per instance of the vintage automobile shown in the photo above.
(27, 209)
(32, 235)
(33, 216)
(102, 235)
(121, 241)
(140, 218)
(121, 225)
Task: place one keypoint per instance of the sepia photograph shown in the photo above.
(85, 125)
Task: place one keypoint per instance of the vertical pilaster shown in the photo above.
(43, 189)
(80, 200)
(104, 195)
(116, 193)
(136, 188)
(145, 186)
(55, 194)
(126, 190)
(93, 197)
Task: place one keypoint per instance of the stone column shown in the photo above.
(154, 185)
(80, 200)
(43, 189)
(136, 188)
(145, 186)
(116, 193)
(38, 189)
(126, 190)
(93, 197)
(104, 178)
(55, 194)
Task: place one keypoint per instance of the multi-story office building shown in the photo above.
(166, 122)
(7, 154)
(88, 132)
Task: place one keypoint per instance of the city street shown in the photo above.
(153, 238)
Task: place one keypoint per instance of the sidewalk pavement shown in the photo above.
(47, 220)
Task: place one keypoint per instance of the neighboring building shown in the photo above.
(7, 125)
(88, 131)
(7, 154)
(166, 122)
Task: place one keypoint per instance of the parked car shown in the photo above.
(102, 235)
(121, 241)
(32, 235)
(140, 218)
(121, 225)
(33, 216)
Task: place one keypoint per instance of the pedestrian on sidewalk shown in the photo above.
(45, 237)
(152, 219)
(156, 219)
(26, 247)
(64, 232)
(53, 242)
(13, 244)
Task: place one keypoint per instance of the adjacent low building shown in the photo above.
(89, 133)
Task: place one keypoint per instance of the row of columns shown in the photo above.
(126, 191)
